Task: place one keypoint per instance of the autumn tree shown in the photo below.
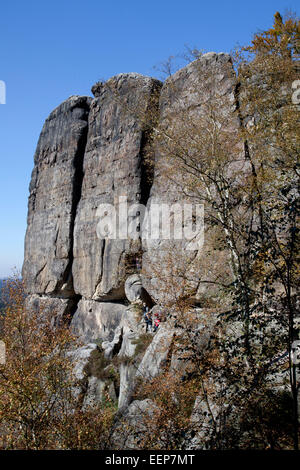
(243, 165)
(39, 406)
(267, 71)
(234, 150)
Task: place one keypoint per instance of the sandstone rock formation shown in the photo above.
(93, 158)
(92, 152)
(97, 320)
(113, 167)
(183, 107)
(55, 190)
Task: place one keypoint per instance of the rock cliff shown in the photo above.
(93, 152)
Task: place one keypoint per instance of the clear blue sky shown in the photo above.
(53, 49)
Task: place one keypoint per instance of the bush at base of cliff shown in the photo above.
(38, 408)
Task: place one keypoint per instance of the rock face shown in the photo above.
(156, 354)
(54, 194)
(184, 100)
(91, 153)
(95, 173)
(97, 320)
(113, 167)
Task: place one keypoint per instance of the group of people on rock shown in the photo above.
(152, 320)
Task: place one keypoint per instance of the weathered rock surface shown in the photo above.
(97, 320)
(58, 308)
(131, 329)
(113, 167)
(91, 152)
(183, 106)
(133, 288)
(80, 357)
(155, 357)
(137, 358)
(54, 193)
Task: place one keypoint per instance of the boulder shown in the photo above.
(56, 307)
(156, 354)
(134, 288)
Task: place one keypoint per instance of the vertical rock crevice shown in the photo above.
(147, 151)
(116, 164)
(67, 279)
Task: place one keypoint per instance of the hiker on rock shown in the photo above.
(138, 264)
(147, 317)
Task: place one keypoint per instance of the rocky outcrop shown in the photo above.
(58, 308)
(92, 153)
(93, 160)
(97, 320)
(183, 107)
(155, 357)
(123, 348)
(113, 167)
(55, 190)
